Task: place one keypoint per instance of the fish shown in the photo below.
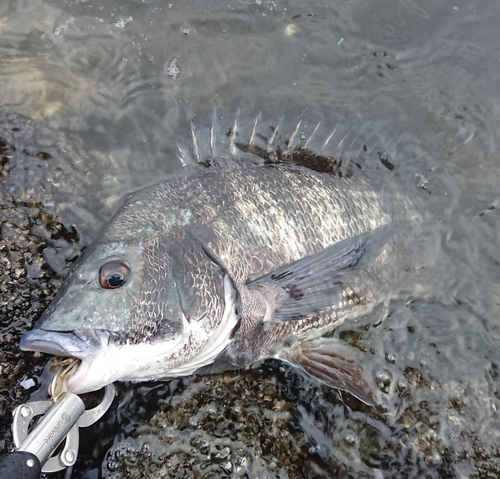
(266, 240)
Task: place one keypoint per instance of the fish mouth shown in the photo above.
(103, 357)
(85, 345)
(61, 343)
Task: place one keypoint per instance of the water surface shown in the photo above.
(93, 99)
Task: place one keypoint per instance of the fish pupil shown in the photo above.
(116, 280)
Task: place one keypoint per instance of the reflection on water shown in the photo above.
(94, 96)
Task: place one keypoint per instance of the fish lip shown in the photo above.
(84, 344)
(79, 344)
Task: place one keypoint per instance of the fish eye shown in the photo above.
(113, 274)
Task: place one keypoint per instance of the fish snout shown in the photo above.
(79, 344)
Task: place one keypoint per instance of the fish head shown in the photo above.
(99, 291)
(128, 310)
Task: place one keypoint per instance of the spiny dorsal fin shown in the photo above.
(337, 148)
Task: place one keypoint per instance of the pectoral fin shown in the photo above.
(335, 363)
(320, 280)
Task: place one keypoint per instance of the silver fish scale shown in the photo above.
(286, 215)
(149, 306)
(252, 220)
(288, 212)
(150, 311)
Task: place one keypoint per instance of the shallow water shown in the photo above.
(94, 96)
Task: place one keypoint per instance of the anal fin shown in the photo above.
(336, 364)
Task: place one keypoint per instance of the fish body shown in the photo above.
(245, 255)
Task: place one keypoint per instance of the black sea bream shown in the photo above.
(257, 249)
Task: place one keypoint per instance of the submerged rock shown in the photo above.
(226, 425)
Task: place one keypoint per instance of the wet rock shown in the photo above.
(27, 284)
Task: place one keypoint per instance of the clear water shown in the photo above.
(106, 88)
